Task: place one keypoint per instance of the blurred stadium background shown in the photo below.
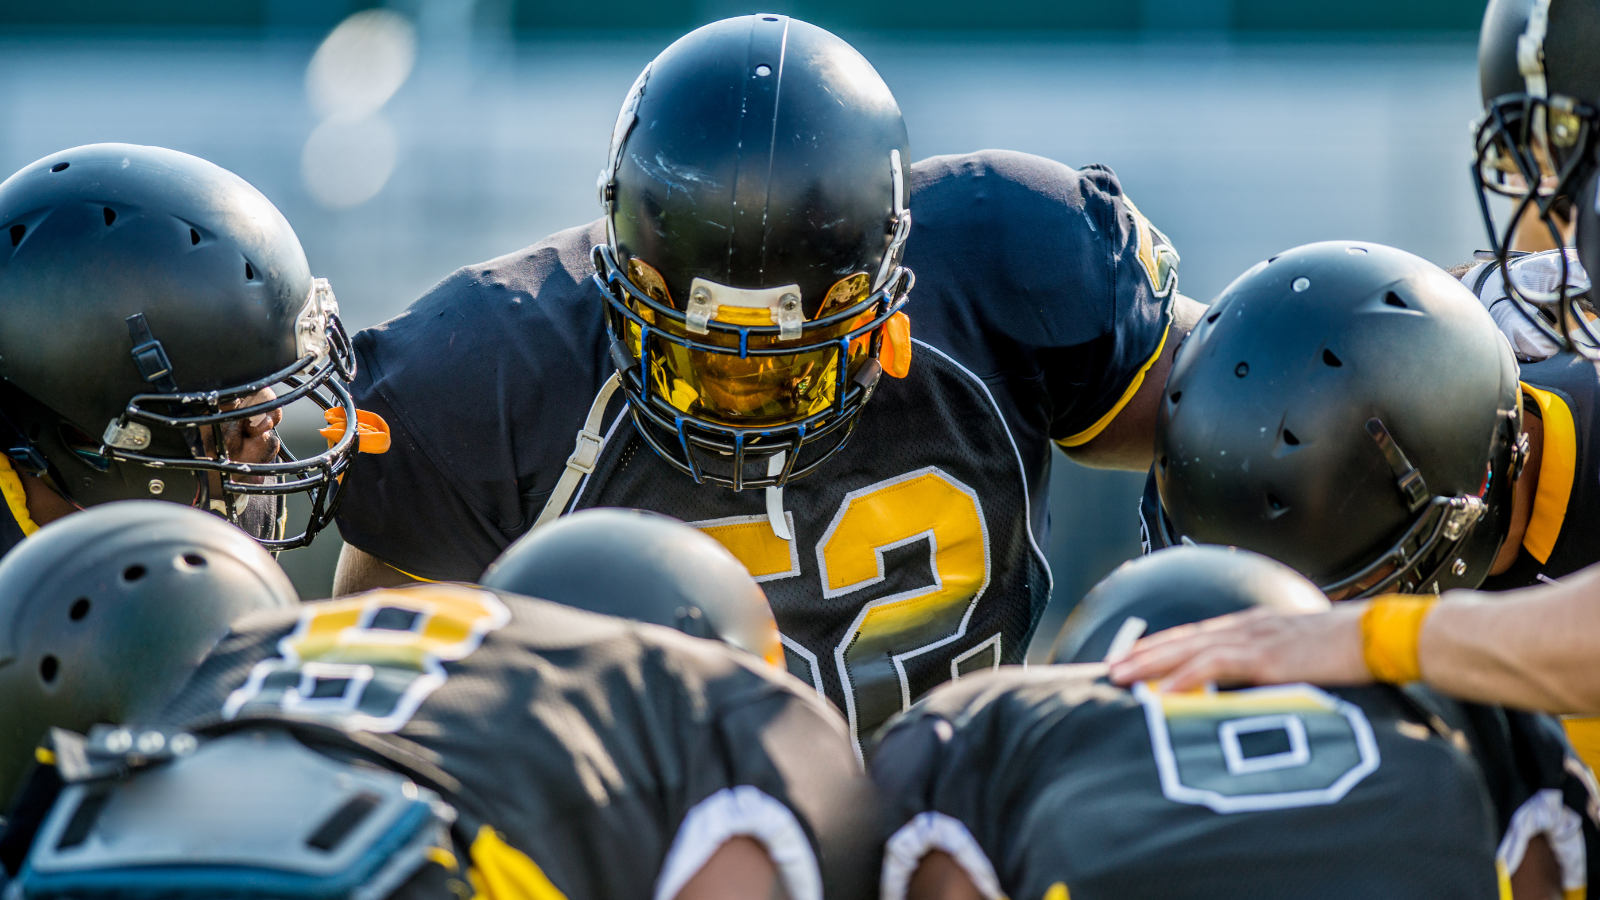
(429, 134)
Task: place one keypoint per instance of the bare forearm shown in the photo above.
(1537, 648)
(360, 571)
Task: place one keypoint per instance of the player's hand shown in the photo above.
(1259, 646)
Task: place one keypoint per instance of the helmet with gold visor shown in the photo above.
(755, 198)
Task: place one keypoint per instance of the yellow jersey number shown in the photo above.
(926, 505)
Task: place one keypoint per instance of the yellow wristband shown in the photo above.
(1390, 630)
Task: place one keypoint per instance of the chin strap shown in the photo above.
(780, 525)
(584, 456)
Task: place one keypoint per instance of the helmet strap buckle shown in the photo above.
(150, 356)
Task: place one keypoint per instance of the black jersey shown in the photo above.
(1051, 783)
(1562, 392)
(610, 756)
(1042, 297)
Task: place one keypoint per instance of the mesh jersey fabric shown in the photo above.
(1063, 779)
(584, 740)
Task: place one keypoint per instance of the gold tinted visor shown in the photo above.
(755, 390)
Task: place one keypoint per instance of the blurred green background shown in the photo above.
(931, 15)
(1242, 127)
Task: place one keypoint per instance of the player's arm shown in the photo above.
(360, 571)
(1128, 440)
(1533, 649)
(931, 853)
(739, 870)
(775, 805)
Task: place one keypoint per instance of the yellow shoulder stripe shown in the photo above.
(502, 872)
(16, 498)
(1058, 891)
(45, 756)
(1583, 733)
(1093, 431)
(1557, 466)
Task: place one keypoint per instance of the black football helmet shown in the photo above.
(643, 566)
(1539, 72)
(755, 200)
(145, 295)
(1177, 586)
(1348, 409)
(105, 613)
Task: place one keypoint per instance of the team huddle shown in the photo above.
(692, 553)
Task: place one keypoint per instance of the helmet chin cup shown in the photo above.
(717, 452)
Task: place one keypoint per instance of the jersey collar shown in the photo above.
(1557, 465)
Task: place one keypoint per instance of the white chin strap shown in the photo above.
(780, 523)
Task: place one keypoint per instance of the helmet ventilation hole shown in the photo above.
(1163, 462)
(49, 667)
(1393, 299)
(1273, 502)
(249, 273)
(60, 167)
(1213, 316)
(110, 214)
(133, 573)
(17, 231)
(1242, 369)
(1290, 439)
(1330, 359)
(1175, 396)
(80, 608)
(193, 560)
(194, 236)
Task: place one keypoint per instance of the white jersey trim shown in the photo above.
(925, 833)
(741, 811)
(1022, 470)
(1547, 814)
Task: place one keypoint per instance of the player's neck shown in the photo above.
(1522, 496)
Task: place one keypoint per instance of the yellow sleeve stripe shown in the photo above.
(411, 576)
(1093, 431)
(502, 872)
(16, 498)
(1557, 466)
(45, 756)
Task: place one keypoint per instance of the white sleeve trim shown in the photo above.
(1545, 813)
(927, 832)
(742, 811)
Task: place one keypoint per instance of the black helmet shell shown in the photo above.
(97, 233)
(1177, 586)
(106, 612)
(642, 566)
(1263, 438)
(1569, 59)
(755, 152)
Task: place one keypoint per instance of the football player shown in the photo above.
(449, 739)
(1351, 410)
(1541, 85)
(1052, 783)
(156, 315)
(718, 333)
(115, 640)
